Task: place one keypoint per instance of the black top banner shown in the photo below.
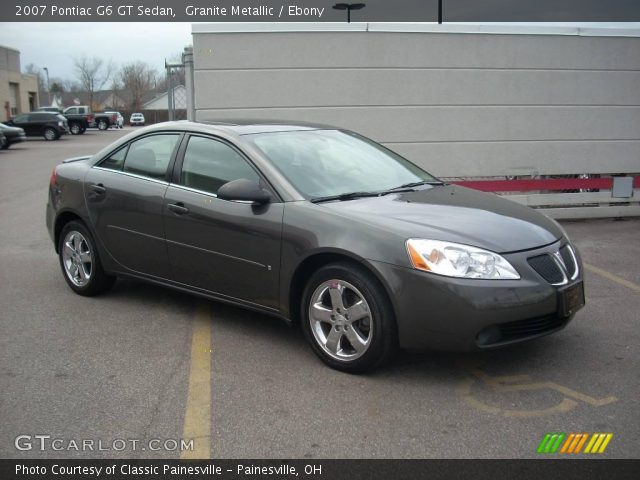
(319, 11)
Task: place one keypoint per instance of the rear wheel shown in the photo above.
(80, 261)
(50, 134)
(348, 319)
(103, 125)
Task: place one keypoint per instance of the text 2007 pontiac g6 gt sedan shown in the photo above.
(317, 225)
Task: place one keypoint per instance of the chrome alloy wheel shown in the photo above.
(340, 320)
(76, 258)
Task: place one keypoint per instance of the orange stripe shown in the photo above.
(584, 439)
(566, 443)
(574, 443)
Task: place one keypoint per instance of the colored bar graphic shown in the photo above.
(572, 443)
(551, 442)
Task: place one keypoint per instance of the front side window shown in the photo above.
(209, 164)
(149, 156)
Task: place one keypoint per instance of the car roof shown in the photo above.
(251, 126)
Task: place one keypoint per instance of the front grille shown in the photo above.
(518, 330)
(528, 328)
(568, 260)
(547, 267)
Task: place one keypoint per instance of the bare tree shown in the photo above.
(138, 78)
(93, 73)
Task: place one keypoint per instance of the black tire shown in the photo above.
(98, 281)
(103, 124)
(84, 129)
(50, 134)
(381, 319)
(75, 128)
(5, 146)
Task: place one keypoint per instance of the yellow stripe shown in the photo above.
(591, 442)
(567, 442)
(596, 445)
(197, 419)
(606, 442)
(612, 277)
(582, 440)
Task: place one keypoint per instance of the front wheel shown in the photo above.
(75, 129)
(348, 319)
(80, 261)
(50, 134)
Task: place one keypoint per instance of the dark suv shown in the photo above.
(49, 125)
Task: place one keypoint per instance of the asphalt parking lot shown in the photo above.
(143, 362)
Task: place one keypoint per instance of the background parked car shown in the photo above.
(12, 135)
(3, 141)
(136, 119)
(51, 126)
(119, 122)
(79, 118)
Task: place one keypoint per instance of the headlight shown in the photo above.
(456, 260)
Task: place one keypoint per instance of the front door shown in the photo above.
(124, 195)
(229, 248)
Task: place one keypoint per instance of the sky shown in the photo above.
(55, 45)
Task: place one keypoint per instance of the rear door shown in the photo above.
(230, 248)
(124, 196)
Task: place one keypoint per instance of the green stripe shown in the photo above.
(543, 443)
(561, 436)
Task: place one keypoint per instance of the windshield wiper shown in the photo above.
(345, 196)
(410, 186)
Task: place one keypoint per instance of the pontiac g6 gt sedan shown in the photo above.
(319, 226)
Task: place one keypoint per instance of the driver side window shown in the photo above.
(209, 164)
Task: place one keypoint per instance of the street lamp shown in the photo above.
(46, 70)
(348, 7)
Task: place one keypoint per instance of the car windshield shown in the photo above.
(326, 163)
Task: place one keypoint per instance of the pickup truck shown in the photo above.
(80, 118)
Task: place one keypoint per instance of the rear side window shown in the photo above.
(209, 164)
(148, 156)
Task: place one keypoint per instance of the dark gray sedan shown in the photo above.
(319, 226)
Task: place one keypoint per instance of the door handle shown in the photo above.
(178, 208)
(98, 188)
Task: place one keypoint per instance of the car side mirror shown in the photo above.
(244, 190)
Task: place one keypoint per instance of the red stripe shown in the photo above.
(542, 184)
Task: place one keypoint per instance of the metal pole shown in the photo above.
(169, 92)
(187, 59)
(46, 70)
(348, 14)
(440, 11)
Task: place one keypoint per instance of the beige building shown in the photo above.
(18, 92)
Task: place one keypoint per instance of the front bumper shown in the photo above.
(434, 311)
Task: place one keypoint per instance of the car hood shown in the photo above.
(11, 129)
(456, 214)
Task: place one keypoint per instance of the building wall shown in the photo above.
(27, 85)
(459, 104)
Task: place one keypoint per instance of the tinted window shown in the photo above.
(20, 119)
(40, 117)
(209, 164)
(115, 161)
(150, 156)
(71, 111)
